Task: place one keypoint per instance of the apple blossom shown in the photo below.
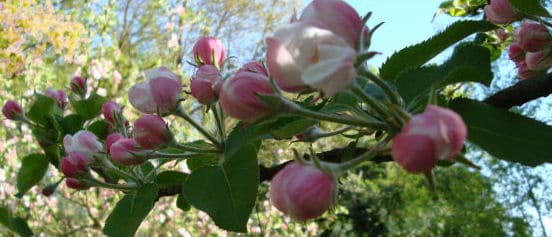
(300, 55)
(83, 142)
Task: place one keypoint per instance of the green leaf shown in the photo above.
(90, 107)
(99, 128)
(226, 192)
(182, 203)
(170, 177)
(20, 226)
(5, 217)
(417, 55)
(71, 124)
(290, 126)
(130, 211)
(15, 224)
(468, 63)
(506, 135)
(530, 7)
(201, 160)
(42, 108)
(33, 168)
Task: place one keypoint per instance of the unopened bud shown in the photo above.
(12, 110)
(206, 83)
(239, 96)
(74, 165)
(302, 191)
(151, 132)
(209, 50)
(123, 152)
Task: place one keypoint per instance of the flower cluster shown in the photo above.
(531, 48)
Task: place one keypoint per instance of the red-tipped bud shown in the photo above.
(533, 36)
(302, 191)
(74, 165)
(161, 92)
(49, 189)
(58, 95)
(75, 184)
(122, 152)
(151, 132)
(516, 53)
(335, 16)
(435, 134)
(112, 112)
(209, 50)
(206, 83)
(83, 142)
(78, 85)
(109, 140)
(501, 12)
(255, 67)
(12, 110)
(239, 96)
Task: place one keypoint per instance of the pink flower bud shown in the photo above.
(302, 191)
(78, 85)
(415, 153)
(111, 110)
(112, 138)
(75, 184)
(83, 142)
(58, 95)
(501, 12)
(209, 50)
(161, 92)
(337, 17)
(238, 96)
(300, 55)
(205, 84)
(435, 134)
(122, 152)
(74, 164)
(533, 36)
(151, 131)
(516, 53)
(524, 72)
(12, 110)
(255, 67)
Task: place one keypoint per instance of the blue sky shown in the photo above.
(406, 23)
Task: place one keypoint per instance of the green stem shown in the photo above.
(294, 108)
(193, 149)
(109, 166)
(173, 155)
(220, 122)
(124, 187)
(181, 113)
(375, 105)
(362, 158)
(391, 94)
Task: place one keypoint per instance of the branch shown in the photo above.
(522, 92)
